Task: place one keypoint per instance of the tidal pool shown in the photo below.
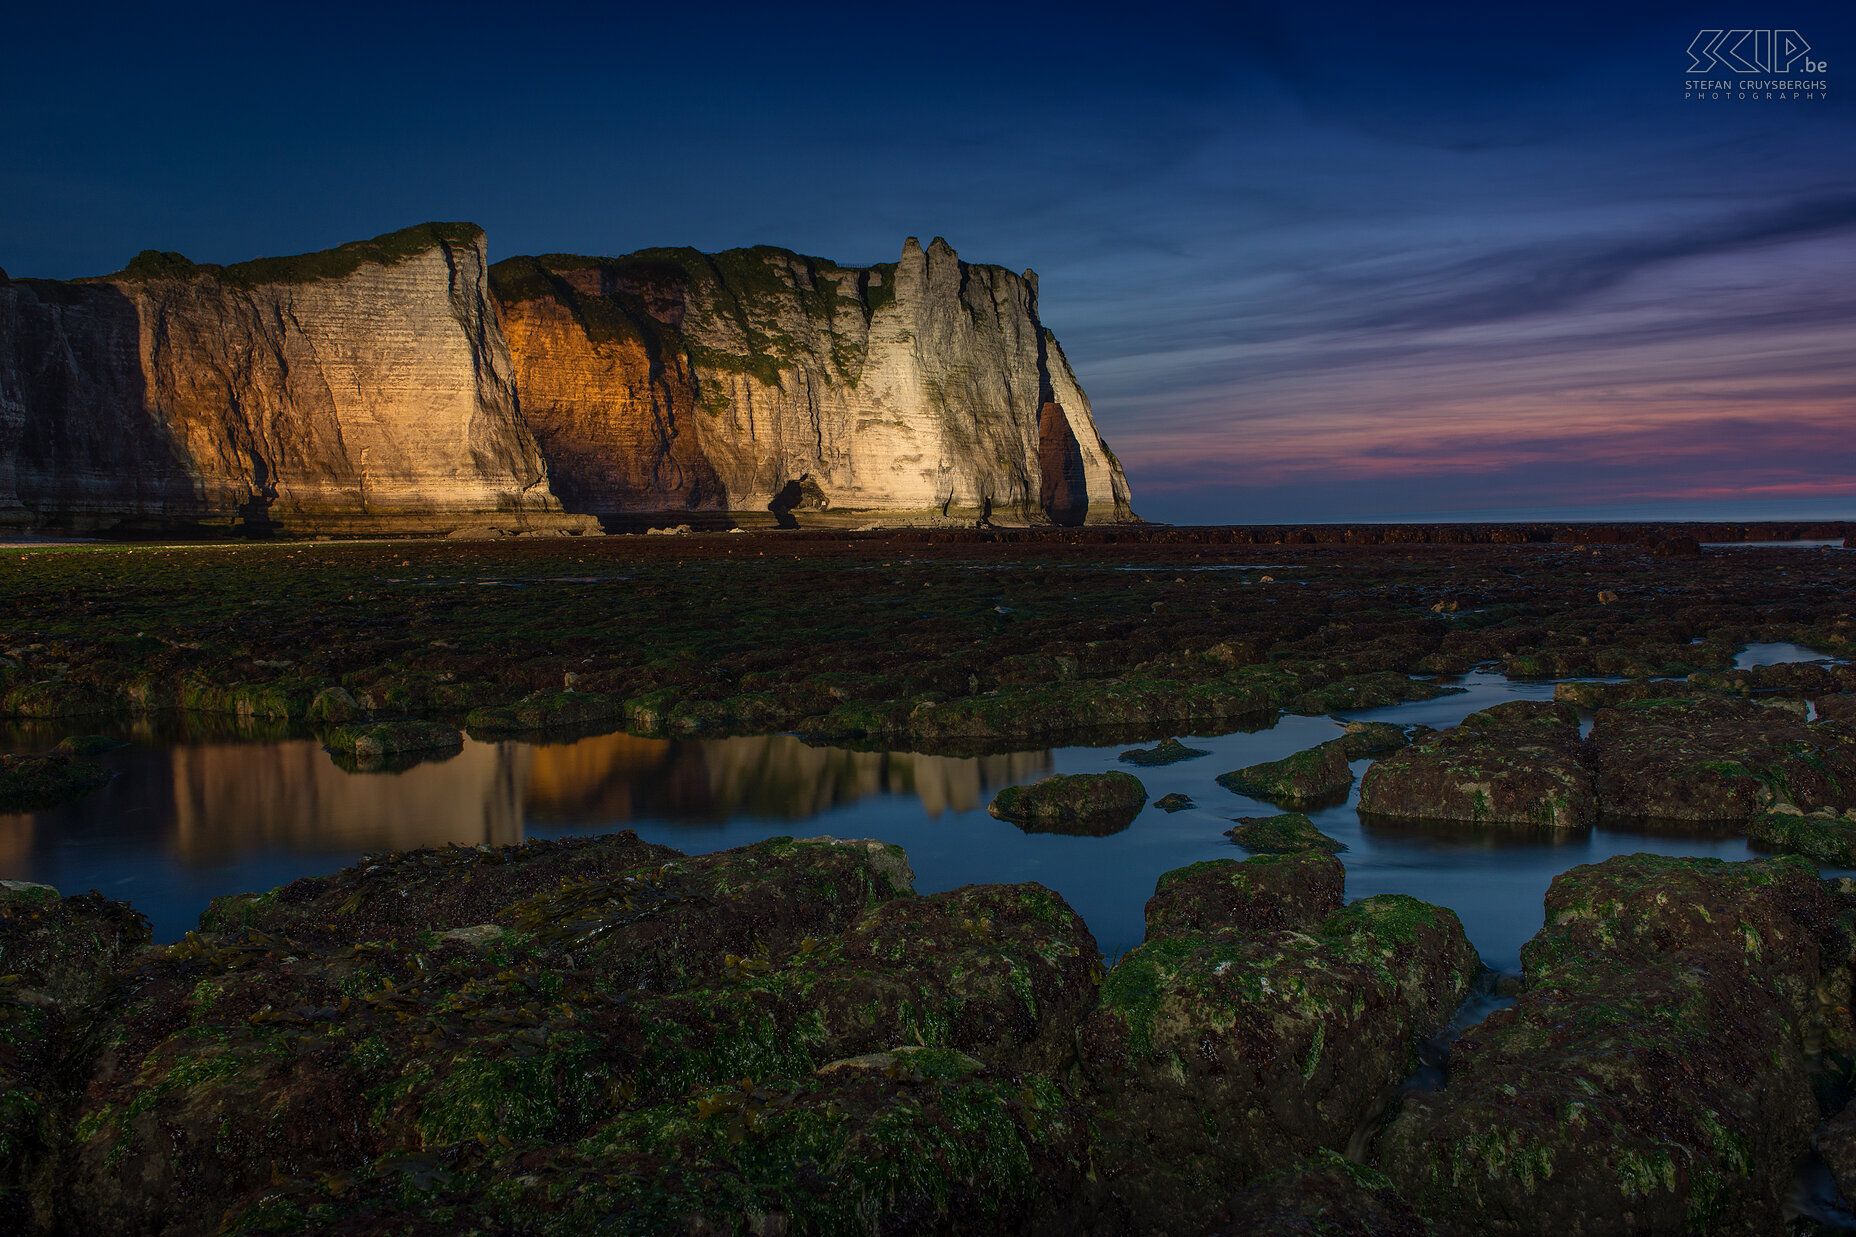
(187, 820)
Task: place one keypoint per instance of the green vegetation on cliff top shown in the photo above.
(384, 250)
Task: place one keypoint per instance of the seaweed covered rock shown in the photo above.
(1824, 834)
(399, 895)
(1601, 695)
(930, 1144)
(1652, 1076)
(374, 744)
(1517, 764)
(30, 783)
(1001, 972)
(1264, 892)
(1073, 802)
(1837, 707)
(545, 710)
(1714, 758)
(1315, 775)
(58, 957)
(781, 1030)
(1326, 1195)
(1372, 738)
(1166, 752)
(1217, 1056)
(1281, 835)
(1174, 802)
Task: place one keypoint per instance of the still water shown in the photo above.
(186, 821)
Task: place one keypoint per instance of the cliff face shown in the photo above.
(758, 379)
(362, 389)
(380, 388)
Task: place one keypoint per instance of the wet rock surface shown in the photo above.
(1220, 1053)
(1166, 752)
(1284, 834)
(31, 782)
(59, 958)
(1326, 1195)
(542, 1038)
(1518, 764)
(1717, 758)
(1654, 1074)
(1307, 777)
(1065, 802)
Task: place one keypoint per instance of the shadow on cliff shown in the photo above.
(91, 454)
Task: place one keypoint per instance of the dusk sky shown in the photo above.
(1310, 261)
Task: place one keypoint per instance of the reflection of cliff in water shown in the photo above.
(621, 777)
(291, 796)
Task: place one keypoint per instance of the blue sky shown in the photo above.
(1310, 261)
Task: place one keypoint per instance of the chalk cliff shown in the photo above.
(401, 385)
(363, 389)
(925, 389)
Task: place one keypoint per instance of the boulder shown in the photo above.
(1371, 739)
(60, 957)
(1216, 1056)
(1325, 1195)
(31, 783)
(1283, 834)
(1265, 892)
(1651, 1076)
(1825, 834)
(1167, 752)
(1317, 774)
(1515, 765)
(782, 1031)
(1715, 758)
(1093, 802)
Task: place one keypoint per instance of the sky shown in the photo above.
(1309, 261)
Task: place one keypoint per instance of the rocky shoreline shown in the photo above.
(604, 1035)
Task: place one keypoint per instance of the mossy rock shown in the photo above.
(334, 704)
(372, 745)
(755, 1008)
(1283, 834)
(1517, 765)
(1717, 758)
(1315, 775)
(1217, 1057)
(1325, 1195)
(56, 698)
(1003, 973)
(1174, 802)
(1167, 752)
(1560, 1115)
(1825, 835)
(34, 783)
(544, 711)
(930, 1143)
(60, 958)
(89, 744)
(394, 897)
(1263, 892)
(1091, 800)
(1372, 739)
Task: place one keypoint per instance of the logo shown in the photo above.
(1752, 51)
(1754, 66)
